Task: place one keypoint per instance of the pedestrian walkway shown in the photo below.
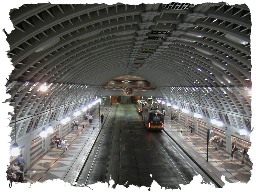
(219, 161)
(65, 164)
(60, 164)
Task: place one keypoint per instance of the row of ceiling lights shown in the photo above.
(216, 122)
(15, 150)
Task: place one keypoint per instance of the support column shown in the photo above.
(228, 140)
(60, 130)
(26, 150)
(208, 126)
(186, 120)
(44, 145)
(69, 125)
(99, 112)
(196, 125)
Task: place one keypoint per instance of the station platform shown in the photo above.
(219, 161)
(65, 165)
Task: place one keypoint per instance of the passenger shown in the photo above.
(221, 143)
(64, 145)
(102, 118)
(244, 154)
(191, 129)
(75, 124)
(57, 141)
(21, 163)
(10, 174)
(216, 140)
(19, 174)
(90, 119)
(52, 143)
(234, 149)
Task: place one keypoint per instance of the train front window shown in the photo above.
(156, 117)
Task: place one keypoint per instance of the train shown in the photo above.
(153, 118)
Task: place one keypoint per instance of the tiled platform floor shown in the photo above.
(59, 164)
(233, 170)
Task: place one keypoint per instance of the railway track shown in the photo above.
(209, 178)
(130, 155)
(82, 155)
(85, 176)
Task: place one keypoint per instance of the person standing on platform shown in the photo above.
(102, 118)
(21, 163)
(64, 145)
(244, 153)
(90, 119)
(234, 149)
(19, 174)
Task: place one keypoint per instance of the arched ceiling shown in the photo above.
(178, 47)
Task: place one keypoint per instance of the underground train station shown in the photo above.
(133, 93)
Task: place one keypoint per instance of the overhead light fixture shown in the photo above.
(49, 130)
(186, 40)
(48, 45)
(15, 150)
(126, 81)
(64, 121)
(89, 106)
(185, 110)
(220, 123)
(217, 123)
(43, 133)
(243, 132)
(175, 107)
(203, 51)
(218, 64)
(236, 39)
(84, 109)
(168, 104)
(43, 87)
(194, 35)
(227, 79)
(77, 113)
(197, 115)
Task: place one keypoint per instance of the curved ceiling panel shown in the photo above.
(182, 49)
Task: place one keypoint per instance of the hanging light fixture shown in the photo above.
(77, 113)
(15, 150)
(43, 87)
(197, 115)
(185, 110)
(43, 133)
(64, 121)
(49, 130)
